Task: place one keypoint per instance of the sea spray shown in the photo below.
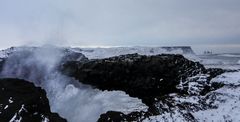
(71, 99)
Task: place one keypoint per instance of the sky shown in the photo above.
(202, 24)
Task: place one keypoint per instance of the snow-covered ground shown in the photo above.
(227, 100)
(66, 94)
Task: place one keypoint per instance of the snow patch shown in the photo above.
(6, 107)
(10, 100)
(228, 109)
(16, 117)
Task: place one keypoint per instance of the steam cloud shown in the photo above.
(72, 100)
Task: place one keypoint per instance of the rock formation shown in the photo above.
(150, 78)
(22, 101)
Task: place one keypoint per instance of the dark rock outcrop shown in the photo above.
(72, 56)
(139, 76)
(150, 78)
(156, 80)
(1, 63)
(21, 100)
(113, 116)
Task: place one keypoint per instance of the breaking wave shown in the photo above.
(71, 99)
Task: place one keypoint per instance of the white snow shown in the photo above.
(174, 116)
(6, 107)
(10, 100)
(44, 119)
(16, 117)
(228, 108)
(226, 99)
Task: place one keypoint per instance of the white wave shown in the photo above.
(230, 55)
(228, 78)
(99, 53)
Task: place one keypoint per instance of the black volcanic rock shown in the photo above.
(21, 100)
(113, 116)
(150, 78)
(73, 56)
(139, 76)
(1, 63)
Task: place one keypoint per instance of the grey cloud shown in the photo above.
(120, 22)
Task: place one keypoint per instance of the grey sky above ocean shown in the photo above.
(204, 25)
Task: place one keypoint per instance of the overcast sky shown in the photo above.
(199, 23)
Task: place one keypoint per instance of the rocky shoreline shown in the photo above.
(169, 84)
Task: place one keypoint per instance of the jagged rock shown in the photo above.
(1, 63)
(150, 78)
(137, 75)
(21, 100)
(113, 116)
(69, 55)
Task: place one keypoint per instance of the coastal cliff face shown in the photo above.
(21, 101)
(131, 87)
(149, 78)
(137, 75)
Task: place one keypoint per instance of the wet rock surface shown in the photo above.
(21, 101)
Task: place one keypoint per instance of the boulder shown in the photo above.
(22, 101)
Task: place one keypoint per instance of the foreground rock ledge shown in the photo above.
(22, 101)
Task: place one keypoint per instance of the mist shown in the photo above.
(71, 99)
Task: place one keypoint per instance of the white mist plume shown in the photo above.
(72, 100)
